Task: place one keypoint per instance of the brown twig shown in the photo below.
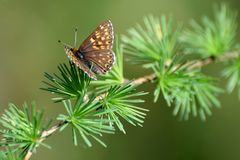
(144, 79)
(44, 135)
(192, 65)
(227, 56)
(141, 80)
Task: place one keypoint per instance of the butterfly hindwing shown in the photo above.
(101, 61)
(101, 39)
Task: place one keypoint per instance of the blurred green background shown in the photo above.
(29, 31)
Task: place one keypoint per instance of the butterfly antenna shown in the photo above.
(75, 37)
(64, 44)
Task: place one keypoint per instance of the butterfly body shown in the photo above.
(79, 55)
(95, 55)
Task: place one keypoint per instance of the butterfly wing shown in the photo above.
(101, 39)
(83, 66)
(101, 61)
(96, 51)
(97, 48)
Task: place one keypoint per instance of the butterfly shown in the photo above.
(95, 55)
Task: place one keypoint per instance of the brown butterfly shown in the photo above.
(95, 55)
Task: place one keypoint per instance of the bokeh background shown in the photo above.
(29, 31)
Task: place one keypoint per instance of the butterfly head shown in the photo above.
(70, 49)
(67, 49)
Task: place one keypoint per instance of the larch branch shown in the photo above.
(44, 135)
(141, 80)
(192, 65)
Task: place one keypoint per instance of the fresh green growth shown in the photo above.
(212, 37)
(115, 75)
(153, 42)
(122, 99)
(190, 92)
(9, 155)
(85, 120)
(72, 82)
(21, 129)
(232, 72)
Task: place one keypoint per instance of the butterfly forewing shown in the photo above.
(101, 39)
